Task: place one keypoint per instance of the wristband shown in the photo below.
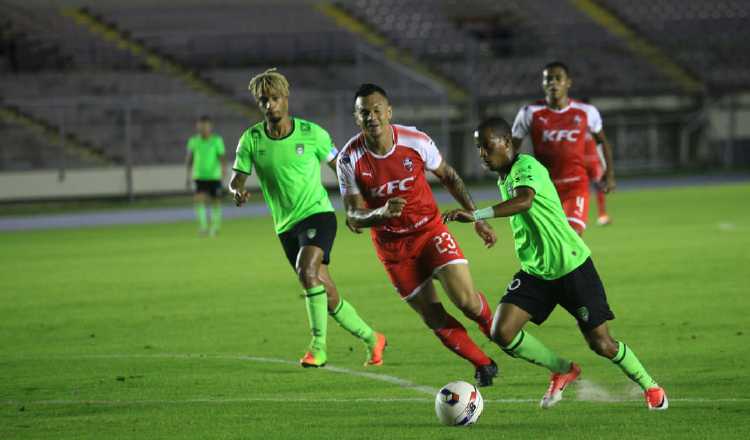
(484, 213)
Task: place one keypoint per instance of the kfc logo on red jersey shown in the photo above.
(389, 188)
(560, 135)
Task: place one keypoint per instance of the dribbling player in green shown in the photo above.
(286, 154)
(206, 163)
(556, 268)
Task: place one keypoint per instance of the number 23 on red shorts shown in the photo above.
(413, 260)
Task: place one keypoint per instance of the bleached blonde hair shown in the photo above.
(270, 81)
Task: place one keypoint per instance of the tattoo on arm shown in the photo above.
(455, 185)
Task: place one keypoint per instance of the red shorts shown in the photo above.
(412, 261)
(576, 207)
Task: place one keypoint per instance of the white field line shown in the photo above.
(330, 368)
(586, 390)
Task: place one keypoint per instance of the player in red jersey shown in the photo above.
(382, 179)
(558, 126)
(593, 159)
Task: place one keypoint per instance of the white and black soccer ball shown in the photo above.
(458, 404)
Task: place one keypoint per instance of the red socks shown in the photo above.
(455, 338)
(485, 316)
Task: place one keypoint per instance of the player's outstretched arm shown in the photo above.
(358, 216)
(520, 203)
(237, 188)
(455, 185)
(609, 173)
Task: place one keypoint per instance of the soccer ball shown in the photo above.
(458, 404)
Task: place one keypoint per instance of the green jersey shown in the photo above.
(207, 154)
(288, 170)
(545, 243)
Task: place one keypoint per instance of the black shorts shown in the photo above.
(317, 230)
(580, 292)
(211, 187)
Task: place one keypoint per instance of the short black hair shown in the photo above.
(498, 125)
(559, 64)
(368, 89)
(204, 118)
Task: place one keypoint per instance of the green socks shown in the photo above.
(347, 317)
(317, 315)
(632, 367)
(200, 212)
(531, 349)
(215, 217)
(202, 215)
(316, 301)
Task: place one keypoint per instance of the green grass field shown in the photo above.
(152, 332)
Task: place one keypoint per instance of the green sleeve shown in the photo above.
(528, 174)
(325, 149)
(243, 161)
(190, 145)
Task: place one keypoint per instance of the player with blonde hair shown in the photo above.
(286, 153)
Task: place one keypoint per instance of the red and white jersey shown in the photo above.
(398, 173)
(559, 137)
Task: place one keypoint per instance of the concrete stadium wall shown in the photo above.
(103, 182)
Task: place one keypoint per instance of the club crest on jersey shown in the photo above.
(408, 164)
(300, 149)
(577, 119)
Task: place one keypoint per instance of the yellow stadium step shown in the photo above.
(157, 61)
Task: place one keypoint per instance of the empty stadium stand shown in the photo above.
(112, 76)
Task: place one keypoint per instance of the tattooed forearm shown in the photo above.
(455, 185)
